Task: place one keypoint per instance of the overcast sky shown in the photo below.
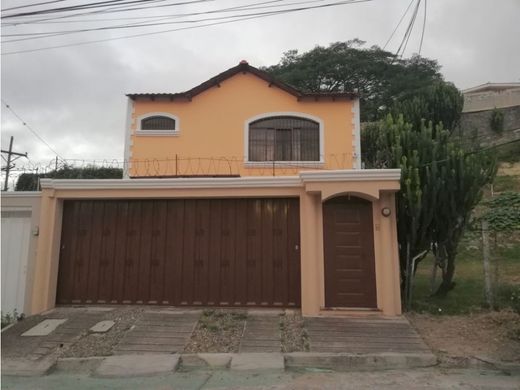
(74, 97)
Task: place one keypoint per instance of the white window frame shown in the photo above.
(255, 164)
(175, 132)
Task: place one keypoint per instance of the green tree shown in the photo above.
(440, 102)
(30, 181)
(441, 183)
(379, 76)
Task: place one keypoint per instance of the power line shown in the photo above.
(98, 4)
(398, 24)
(31, 129)
(33, 5)
(345, 2)
(424, 24)
(32, 36)
(114, 9)
(409, 30)
(159, 17)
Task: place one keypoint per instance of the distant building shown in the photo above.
(480, 103)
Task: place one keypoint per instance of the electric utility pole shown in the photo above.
(9, 160)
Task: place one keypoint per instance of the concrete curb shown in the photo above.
(124, 366)
(358, 362)
(78, 365)
(144, 365)
(28, 367)
(477, 362)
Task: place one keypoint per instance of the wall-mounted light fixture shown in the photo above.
(385, 211)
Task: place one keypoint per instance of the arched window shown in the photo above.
(284, 138)
(158, 123)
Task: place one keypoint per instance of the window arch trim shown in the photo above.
(300, 115)
(140, 131)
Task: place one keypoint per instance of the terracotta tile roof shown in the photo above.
(244, 67)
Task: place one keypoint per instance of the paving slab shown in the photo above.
(102, 326)
(257, 361)
(123, 366)
(159, 332)
(44, 328)
(75, 322)
(371, 335)
(261, 333)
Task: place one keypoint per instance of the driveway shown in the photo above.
(146, 329)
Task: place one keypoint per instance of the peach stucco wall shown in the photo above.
(212, 127)
(311, 196)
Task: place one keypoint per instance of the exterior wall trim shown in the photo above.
(128, 138)
(356, 132)
(284, 113)
(177, 183)
(235, 182)
(351, 175)
(22, 194)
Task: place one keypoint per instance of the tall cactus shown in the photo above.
(440, 185)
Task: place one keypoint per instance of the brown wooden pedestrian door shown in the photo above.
(349, 253)
(211, 252)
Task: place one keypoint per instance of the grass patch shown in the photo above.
(506, 183)
(468, 294)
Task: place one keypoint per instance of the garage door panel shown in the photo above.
(203, 251)
(293, 250)
(120, 238)
(214, 252)
(188, 254)
(173, 253)
(158, 243)
(83, 255)
(232, 252)
(131, 265)
(240, 267)
(254, 251)
(68, 247)
(108, 248)
(267, 245)
(228, 238)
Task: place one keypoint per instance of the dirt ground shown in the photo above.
(509, 169)
(218, 331)
(491, 335)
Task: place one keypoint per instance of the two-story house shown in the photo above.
(239, 192)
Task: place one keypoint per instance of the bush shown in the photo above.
(497, 120)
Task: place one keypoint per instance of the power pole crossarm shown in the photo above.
(15, 153)
(9, 161)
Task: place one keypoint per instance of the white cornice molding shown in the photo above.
(352, 175)
(233, 182)
(175, 183)
(21, 194)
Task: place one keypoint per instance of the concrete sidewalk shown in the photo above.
(424, 379)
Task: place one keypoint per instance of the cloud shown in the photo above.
(74, 97)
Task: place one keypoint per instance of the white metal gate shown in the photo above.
(16, 233)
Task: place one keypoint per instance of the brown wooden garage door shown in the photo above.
(227, 252)
(349, 253)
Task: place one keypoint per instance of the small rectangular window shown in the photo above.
(158, 122)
